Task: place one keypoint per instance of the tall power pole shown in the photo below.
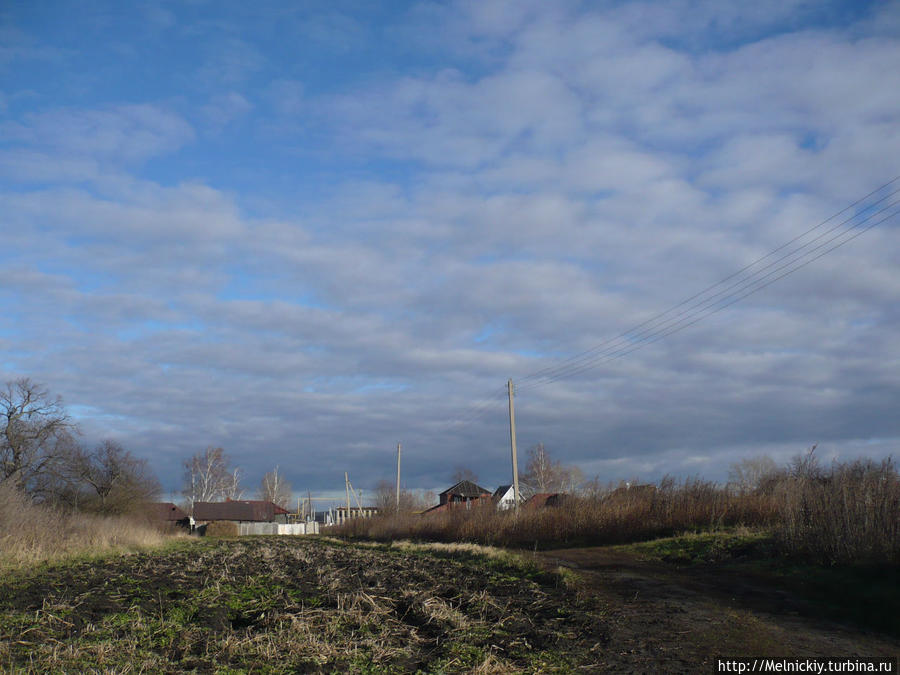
(347, 486)
(512, 443)
(398, 478)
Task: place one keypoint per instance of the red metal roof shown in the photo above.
(242, 510)
(538, 500)
(165, 511)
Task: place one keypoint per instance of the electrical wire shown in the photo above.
(705, 304)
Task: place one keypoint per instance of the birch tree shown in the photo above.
(274, 488)
(545, 474)
(208, 478)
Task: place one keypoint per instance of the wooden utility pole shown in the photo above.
(512, 444)
(398, 478)
(347, 485)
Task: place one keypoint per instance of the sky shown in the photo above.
(306, 231)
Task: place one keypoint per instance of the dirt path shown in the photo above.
(673, 619)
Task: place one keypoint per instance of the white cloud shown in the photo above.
(576, 172)
(124, 133)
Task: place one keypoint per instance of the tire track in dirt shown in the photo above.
(679, 620)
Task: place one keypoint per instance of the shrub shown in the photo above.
(222, 528)
(850, 514)
(31, 533)
(618, 517)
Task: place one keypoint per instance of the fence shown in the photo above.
(278, 528)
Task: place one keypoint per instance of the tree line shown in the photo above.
(41, 456)
(209, 477)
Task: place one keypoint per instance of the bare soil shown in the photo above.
(665, 618)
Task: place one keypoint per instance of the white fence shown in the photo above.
(278, 528)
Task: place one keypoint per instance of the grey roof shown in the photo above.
(502, 490)
(246, 511)
(466, 488)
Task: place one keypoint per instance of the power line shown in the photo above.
(714, 310)
(704, 305)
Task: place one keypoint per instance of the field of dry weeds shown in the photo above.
(289, 605)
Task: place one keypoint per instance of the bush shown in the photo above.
(31, 533)
(848, 515)
(619, 517)
(222, 528)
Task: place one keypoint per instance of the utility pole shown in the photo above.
(512, 443)
(398, 478)
(347, 485)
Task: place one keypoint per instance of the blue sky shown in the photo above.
(305, 231)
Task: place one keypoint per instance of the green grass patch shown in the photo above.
(694, 548)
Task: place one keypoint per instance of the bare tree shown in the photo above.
(545, 474)
(115, 481)
(385, 499)
(33, 428)
(233, 489)
(462, 473)
(749, 474)
(274, 488)
(207, 478)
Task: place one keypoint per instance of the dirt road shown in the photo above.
(670, 619)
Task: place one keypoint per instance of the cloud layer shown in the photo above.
(308, 235)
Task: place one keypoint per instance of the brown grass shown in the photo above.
(612, 519)
(31, 533)
(849, 513)
(222, 528)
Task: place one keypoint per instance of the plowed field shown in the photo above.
(296, 605)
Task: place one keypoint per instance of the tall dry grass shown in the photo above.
(620, 517)
(32, 533)
(847, 514)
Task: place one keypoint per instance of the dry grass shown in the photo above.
(293, 605)
(222, 528)
(612, 519)
(847, 514)
(31, 533)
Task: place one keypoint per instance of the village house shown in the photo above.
(249, 517)
(342, 514)
(545, 499)
(166, 514)
(465, 494)
(504, 497)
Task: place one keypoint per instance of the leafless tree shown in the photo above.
(462, 473)
(749, 474)
(109, 479)
(385, 499)
(545, 474)
(34, 429)
(233, 489)
(208, 478)
(274, 488)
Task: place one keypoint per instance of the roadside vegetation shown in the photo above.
(859, 593)
(35, 533)
(58, 497)
(848, 513)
